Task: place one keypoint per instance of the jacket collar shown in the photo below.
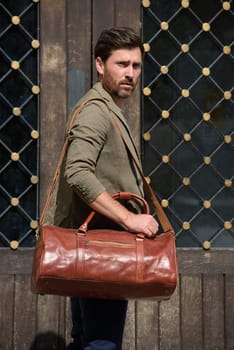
(112, 106)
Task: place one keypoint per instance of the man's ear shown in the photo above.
(99, 65)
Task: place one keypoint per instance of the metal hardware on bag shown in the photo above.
(82, 229)
(140, 236)
(37, 234)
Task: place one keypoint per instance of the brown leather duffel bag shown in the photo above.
(104, 263)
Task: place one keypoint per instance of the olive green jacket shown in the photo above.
(96, 159)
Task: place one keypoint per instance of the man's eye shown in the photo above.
(137, 66)
(122, 64)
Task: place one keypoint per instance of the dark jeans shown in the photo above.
(98, 324)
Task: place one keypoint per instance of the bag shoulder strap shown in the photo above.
(166, 225)
(74, 116)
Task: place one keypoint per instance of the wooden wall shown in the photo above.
(199, 316)
(69, 30)
(201, 312)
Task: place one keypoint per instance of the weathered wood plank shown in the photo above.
(229, 311)
(129, 339)
(191, 261)
(128, 14)
(16, 261)
(147, 334)
(67, 321)
(191, 313)
(214, 261)
(79, 60)
(103, 18)
(50, 321)
(6, 311)
(24, 314)
(213, 312)
(47, 341)
(169, 322)
(62, 322)
(53, 72)
(47, 319)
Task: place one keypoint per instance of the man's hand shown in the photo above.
(137, 223)
(142, 223)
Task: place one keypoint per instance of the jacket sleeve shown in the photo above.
(87, 139)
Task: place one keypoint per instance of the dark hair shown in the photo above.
(117, 38)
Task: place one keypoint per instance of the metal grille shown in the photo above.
(19, 123)
(188, 116)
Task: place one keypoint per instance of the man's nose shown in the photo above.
(129, 71)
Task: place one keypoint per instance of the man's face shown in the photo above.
(119, 74)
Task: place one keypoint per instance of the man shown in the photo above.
(97, 165)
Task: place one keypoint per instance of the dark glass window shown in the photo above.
(19, 122)
(187, 117)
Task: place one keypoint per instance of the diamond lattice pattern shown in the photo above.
(19, 126)
(188, 116)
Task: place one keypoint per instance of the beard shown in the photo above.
(122, 89)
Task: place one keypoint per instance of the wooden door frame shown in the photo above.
(55, 59)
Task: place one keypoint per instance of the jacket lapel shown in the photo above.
(120, 118)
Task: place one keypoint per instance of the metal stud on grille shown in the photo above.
(188, 110)
(19, 124)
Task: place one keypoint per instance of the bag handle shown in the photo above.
(119, 195)
(138, 200)
(166, 225)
